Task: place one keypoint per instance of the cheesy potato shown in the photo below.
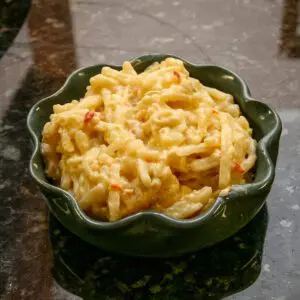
(156, 140)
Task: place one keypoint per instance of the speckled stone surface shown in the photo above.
(12, 16)
(41, 260)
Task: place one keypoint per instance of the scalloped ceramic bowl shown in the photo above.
(150, 233)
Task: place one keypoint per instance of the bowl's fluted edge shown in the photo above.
(237, 191)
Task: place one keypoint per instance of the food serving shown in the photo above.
(156, 140)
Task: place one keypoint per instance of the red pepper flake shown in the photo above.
(115, 186)
(149, 160)
(214, 112)
(129, 191)
(238, 168)
(141, 116)
(177, 75)
(89, 116)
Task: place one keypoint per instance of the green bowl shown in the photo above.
(151, 233)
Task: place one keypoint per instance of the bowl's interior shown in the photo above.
(262, 119)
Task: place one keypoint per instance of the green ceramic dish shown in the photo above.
(150, 233)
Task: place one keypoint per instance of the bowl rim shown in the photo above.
(237, 191)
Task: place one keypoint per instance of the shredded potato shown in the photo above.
(155, 140)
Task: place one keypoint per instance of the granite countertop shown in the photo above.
(259, 40)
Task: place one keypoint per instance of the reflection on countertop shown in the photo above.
(61, 35)
(211, 273)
